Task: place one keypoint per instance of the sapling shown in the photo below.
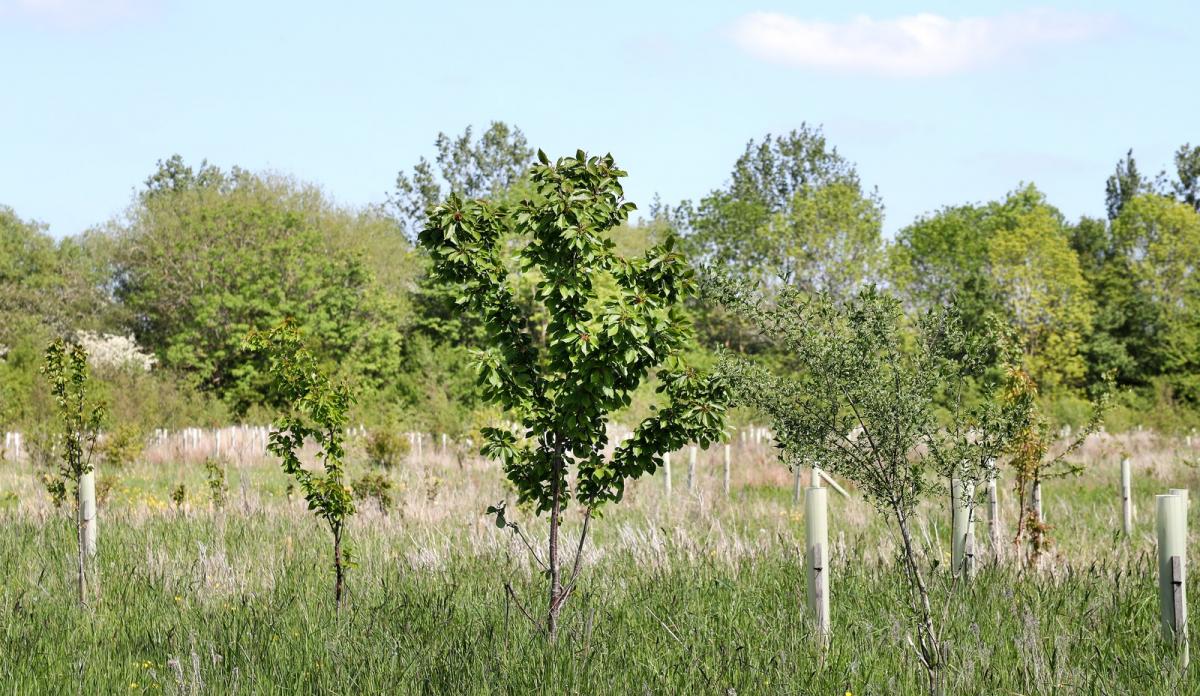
(1037, 456)
(864, 405)
(80, 418)
(560, 378)
(979, 424)
(214, 477)
(316, 410)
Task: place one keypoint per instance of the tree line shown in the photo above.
(203, 255)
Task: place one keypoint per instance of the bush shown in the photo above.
(385, 448)
(123, 446)
(214, 475)
(374, 486)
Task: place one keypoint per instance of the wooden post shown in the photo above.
(1127, 496)
(1172, 569)
(692, 469)
(816, 537)
(667, 474)
(726, 479)
(994, 517)
(962, 518)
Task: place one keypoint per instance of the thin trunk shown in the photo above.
(82, 581)
(930, 652)
(339, 570)
(555, 582)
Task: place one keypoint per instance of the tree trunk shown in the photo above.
(339, 570)
(927, 638)
(555, 519)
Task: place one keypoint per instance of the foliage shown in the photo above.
(1037, 455)
(80, 418)
(317, 411)
(864, 405)
(486, 168)
(1124, 184)
(214, 478)
(1013, 258)
(374, 486)
(561, 382)
(108, 351)
(385, 448)
(209, 255)
(122, 446)
(1040, 284)
(794, 212)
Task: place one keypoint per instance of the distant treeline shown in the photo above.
(202, 255)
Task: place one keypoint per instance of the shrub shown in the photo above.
(122, 446)
(385, 448)
(374, 486)
(214, 474)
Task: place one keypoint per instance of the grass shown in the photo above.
(701, 595)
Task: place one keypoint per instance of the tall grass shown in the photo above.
(694, 595)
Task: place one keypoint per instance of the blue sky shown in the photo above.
(937, 102)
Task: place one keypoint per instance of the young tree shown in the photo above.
(80, 417)
(1037, 456)
(562, 381)
(317, 411)
(865, 407)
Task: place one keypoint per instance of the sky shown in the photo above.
(938, 103)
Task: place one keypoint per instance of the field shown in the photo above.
(692, 594)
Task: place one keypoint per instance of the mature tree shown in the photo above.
(1040, 283)
(828, 240)
(943, 257)
(486, 167)
(210, 255)
(561, 381)
(1159, 239)
(1121, 313)
(59, 285)
(793, 212)
(1013, 257)
(28, 268)
(1187, 168)
(1125, 183)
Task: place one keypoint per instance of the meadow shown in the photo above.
(695, 593)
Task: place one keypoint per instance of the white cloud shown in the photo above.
(918, 45)
(76, 13)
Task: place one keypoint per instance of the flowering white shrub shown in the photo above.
(107, 350)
